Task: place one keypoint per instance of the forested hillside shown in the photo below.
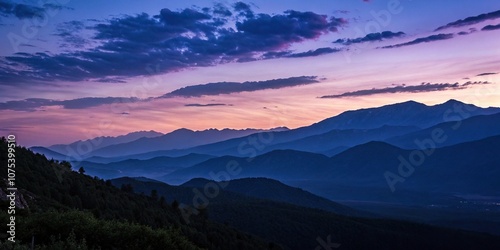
(69, 210)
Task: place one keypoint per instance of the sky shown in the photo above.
(74, 70)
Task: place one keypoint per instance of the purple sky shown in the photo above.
(74, 69)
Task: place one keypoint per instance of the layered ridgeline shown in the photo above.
(276, 212)
(398, 124)
(329, 136)
(63, 209)
(469, 167)
(143, 142)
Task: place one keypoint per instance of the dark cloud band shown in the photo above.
(427, 39)
(424, 87)
(471, 20)
(219, 88)
(34, 104)
(372, 37)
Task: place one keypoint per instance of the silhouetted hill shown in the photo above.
(269, 189)
(154, 167)
(64, 209)
(278, 164)
(297, 227)
(50, 154)
(473, 166)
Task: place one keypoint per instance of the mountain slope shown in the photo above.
(474, 166)
(152, 168)
(68, 210)
(269, 189)
(325, 142)
(50, 154)
(278, 164)
(474, 128)
(178, 139)
(102, 141)
(402, 114)
(297, 227)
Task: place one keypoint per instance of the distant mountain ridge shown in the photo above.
(178, 139)
(102, 141)
(474, 128)
(474, 165)
(407, 116)
(335, 134)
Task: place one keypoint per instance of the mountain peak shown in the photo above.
(453, 101)
(182, 130)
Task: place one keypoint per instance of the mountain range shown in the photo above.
(349, 175)
(360, 125)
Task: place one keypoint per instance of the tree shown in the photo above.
(162, 200)
(65, 164)
(81, 170)
(175, 204)
(127, 188)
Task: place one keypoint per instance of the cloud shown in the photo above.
(25, 11)
(379, 36)
(471, 20)
(316, 52)
(35, 104)
(170, 41)
(219, 88)
(289, 54)
(427, 39)
(423, 87)
(487, 74)
(206, 105)
(38, 104)
(491, 27)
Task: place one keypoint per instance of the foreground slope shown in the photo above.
(297, 227)
(75, 209)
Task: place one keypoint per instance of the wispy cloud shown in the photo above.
(471, 20)
(427, 39)
(491, 27)
(487, 74)
(316, 52)
(38, 104)
(206, 105)
(34, 104)
(423, 87)
(372, 37)
(219, 88)
(290, 54)
(172, 40)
